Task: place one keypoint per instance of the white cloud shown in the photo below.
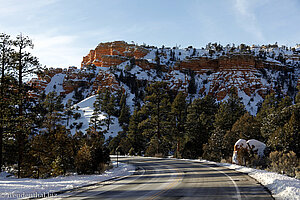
(12, 7)
(247, 19)
(56, 51)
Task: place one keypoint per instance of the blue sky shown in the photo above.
(63, 31)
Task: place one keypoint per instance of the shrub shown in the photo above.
(78, 126)
(83, 160)
(128, 67)
(152, 148)
(131, 152)
(76, 116)
(56, 166)
(284, 163)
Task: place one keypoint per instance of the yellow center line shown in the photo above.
(171, 185)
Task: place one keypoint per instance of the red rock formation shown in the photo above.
(105, 80)
(199, 65)
(118, 50)
(238, 70)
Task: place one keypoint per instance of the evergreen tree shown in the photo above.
(178, 118)
(136, 138)
(269, 105)
(105, 97)
(124, 116)
(78, 95)
(110, 110)
(284, 133)
(95, 121)
(54, 108)
(49, 149)
(192, 88)
(157, 107)
(274, 118)
(246, 127)
(39, 156)
(83, 160)
(68, 111)
(5, 59)
(24, 64)
(285, 102)
(199, 125)
(213, 150)
(99, 153)
(297, 98)
(124, 113)
(229, 111)
(63, 151)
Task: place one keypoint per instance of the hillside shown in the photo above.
(253, 71)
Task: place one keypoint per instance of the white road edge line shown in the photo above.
(238, 193)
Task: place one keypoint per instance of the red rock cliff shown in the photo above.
(113, 53)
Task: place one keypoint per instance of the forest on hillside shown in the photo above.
(34, 140)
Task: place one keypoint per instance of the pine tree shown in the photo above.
(25, 64)
(123, 111)
(213, 150)
(287, 137)
(124, 116)
(51, 148)
(105, 97)
(229, 111)
(110, 110)
(274, 118)
(157, 107)
(39, 155)
(285, 102)
(192, 88)
(83, 160)
(68, 111)
(136, 138)
(269, 105)
(54, 108)
(297, 98)
(5, 59)
(78, 95)
(199, 125)
(95, 120)
(99, 153)
(63, 151)
(246, 127)
(178, 118)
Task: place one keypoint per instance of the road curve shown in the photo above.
(176, 179)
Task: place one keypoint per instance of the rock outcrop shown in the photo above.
(253, 74)
(113, 53)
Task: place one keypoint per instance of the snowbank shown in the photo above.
(281, 186)
(13, 188)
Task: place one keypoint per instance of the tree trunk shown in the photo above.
(158, 127)
(108, 122)
(20, 132)
(2, 110)
(178, 146)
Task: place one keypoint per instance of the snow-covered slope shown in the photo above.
(253, 71)
(85, 109)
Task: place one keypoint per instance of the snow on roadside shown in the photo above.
(282, 187)
(13, 188)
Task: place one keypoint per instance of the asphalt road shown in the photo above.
(176, 179)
